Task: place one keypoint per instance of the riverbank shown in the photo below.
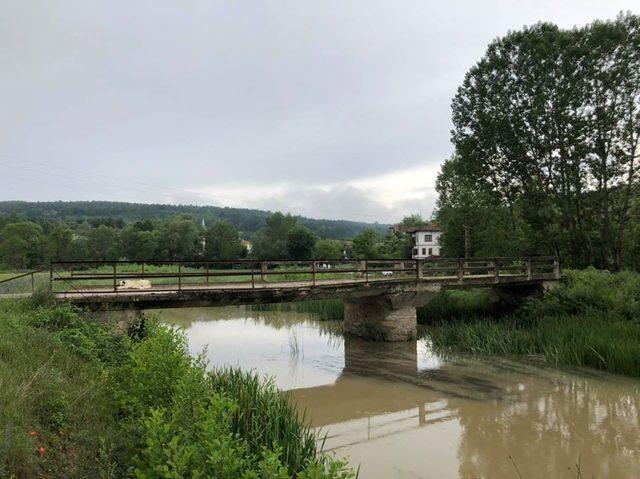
(592, 319)
(79, 399)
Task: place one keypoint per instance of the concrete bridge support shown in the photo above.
(384, 317)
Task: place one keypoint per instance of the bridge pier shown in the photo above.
(384, 317)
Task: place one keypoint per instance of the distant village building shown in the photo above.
(426, 241)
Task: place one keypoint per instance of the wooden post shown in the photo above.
(556, 268)
(313, 271)
(207, 268)
(496, 271)
(143, 270)
(419, 265)
(253, 280)
(179, 276)
(33, 283)
(366, 271)
(263, 271)
(50, 277)
(528, 269)
(115, 272)
(460, 271)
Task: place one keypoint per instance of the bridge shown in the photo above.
(380, 296)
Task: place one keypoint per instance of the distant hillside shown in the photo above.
(246, 220)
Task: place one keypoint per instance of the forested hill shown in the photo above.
(246, 220)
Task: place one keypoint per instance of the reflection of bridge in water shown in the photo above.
(486, 411)
(376, 394)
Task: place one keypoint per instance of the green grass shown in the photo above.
(457, 305)
(592, 319)
(79, 399)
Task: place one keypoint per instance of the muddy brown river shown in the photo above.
(403, 411)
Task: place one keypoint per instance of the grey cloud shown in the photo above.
(186, 94)
(344, 202)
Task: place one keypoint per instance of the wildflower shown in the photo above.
(33, 433)
(41, 450)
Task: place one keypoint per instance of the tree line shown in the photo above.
(248, 221)
(32, 244)
(546, 131)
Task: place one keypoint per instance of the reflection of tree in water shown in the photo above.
(185, 317)
(548, 426)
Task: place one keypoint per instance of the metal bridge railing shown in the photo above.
(32, 281)
(95, 277)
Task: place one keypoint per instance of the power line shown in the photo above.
(161, 190)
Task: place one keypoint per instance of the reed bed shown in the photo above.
(592, 319)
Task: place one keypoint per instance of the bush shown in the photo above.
(224, 424)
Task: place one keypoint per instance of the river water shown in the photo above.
(399, 410)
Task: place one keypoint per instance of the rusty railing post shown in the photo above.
(419, 266)
(115, 273)
(263, 271)
(179, 276)
(460, 271)
(366, 271)
(143, 270)
(33, 283)
(528, 269)
(207, 271)
(496, 271)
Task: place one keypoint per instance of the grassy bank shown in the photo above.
(592, 319)
(78, 399)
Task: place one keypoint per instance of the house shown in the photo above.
(426, 241)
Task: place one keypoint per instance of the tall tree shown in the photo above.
(222, 241)
(547, 121)
(327, 249)
(300, 243)
(271, 241)
(367, 245)
(22, 245)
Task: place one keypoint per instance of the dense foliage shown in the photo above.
(546, 135)
(32, 244)
(79, 400)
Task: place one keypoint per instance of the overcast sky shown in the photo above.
(329, 109)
